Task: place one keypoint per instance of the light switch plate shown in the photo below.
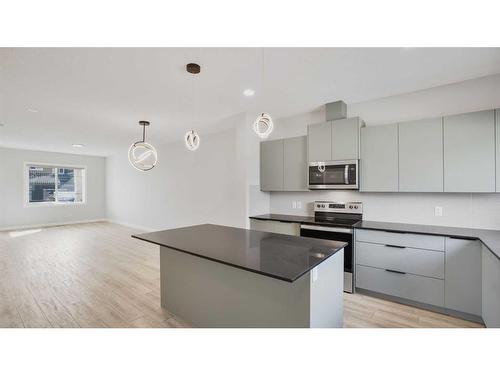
(438, 211)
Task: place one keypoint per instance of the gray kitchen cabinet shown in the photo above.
(262, 225)
(421, 156)
(292, 229)
(379, 158)
(295, 164)
(271, 165)
(469, 152)
(463, 275)
(403, 285)
(497, 125)
(490, 289)
(345, 138)
(319, 141)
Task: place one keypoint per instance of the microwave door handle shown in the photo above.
(346, 174)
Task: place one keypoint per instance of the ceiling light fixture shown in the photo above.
(263, 125)
(142, 155)
(191, 138)
(78, 145)
(249, 92)
(32, 110)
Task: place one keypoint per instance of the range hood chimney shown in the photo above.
(335, 110)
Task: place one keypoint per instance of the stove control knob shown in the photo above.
(356, 207)
(350, 207)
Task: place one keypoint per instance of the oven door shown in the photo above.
(342, 234)
(333, 175)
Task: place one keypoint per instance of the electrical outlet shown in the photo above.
(294, 204)
(438, 211)
(299, 204)
(314, 274)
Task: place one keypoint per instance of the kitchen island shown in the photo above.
(219, 276)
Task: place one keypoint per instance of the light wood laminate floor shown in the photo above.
(96, 275)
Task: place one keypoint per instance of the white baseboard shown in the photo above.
(46, 225)
(133, 226)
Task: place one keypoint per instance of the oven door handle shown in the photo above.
(326, 229)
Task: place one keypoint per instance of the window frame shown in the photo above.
(26, 195)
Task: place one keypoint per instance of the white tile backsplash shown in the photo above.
(460, 210)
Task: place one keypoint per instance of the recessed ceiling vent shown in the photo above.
(335, 110)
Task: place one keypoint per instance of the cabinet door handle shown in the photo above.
(399, 272)
(396, 246)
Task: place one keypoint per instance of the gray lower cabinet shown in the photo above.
(295, 164)
(345, 138)
(404, 265)
(292, 229)
(421, 156)
(463, 275)
(469, 152)
(283, 164)
(271, 165)
(402, 259)
(490, 289)
(319, 141)
(408, 286)
(379, 158)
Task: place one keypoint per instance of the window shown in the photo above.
(50, 185)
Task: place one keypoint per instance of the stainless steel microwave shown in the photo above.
(333, 174)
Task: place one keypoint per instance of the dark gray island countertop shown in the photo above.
(278, 256)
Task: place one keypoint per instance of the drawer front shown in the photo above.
(416, 288)
(420, 241)
(262, 225)
(416, 261)
(291, 229)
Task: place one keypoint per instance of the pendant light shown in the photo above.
(142, 155)
(191, 138)
(263, 125)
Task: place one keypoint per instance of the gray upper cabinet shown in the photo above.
(379, 158)
(319, 141)
(271, 165)
(463, 275)
(469, 152)
(421, 156)
(497, 118)
(345, 138)
(491, 289)
(295, 164)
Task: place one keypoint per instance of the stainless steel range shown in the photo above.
(335, 221)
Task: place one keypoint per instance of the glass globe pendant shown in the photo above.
(263, 125)
(142, 155)
(192, 140)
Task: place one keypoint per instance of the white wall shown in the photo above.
(464, 210)
(14, 214)
(210, 185)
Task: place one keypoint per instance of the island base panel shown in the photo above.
(205, 293)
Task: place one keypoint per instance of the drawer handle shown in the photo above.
(397, 247)
(393, 271)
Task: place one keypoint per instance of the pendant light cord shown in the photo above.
(143, 133)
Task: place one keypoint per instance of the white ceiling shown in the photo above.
(96, 96)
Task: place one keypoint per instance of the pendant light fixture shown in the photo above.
(142, 155)
(263, 125)
(191, 138)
